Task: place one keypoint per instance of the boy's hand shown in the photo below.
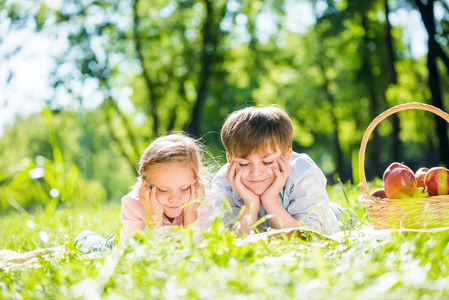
(153, 209)
(197, 192)
(235, 178)
(252, 201)
(271, 194)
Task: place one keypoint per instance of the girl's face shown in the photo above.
(173, 184)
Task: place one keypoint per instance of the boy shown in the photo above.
(265, 176)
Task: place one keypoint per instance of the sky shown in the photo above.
(23, 93)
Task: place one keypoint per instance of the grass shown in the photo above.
(413, 266)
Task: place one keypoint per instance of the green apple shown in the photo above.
(421, 193)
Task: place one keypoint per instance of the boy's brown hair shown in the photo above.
(253, 129)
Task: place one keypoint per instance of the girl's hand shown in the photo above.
(153, 209)
(235, 178)
(271, 193)
(197, 192)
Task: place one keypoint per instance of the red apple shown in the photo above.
(420, 175)
(394, 166)
(378, 193)
(400, 183)
(437, 181)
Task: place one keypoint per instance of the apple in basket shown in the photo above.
(393, 166)
(420, 175)
(421, 193)
(378, 194)
(437, 181)
(400, 182)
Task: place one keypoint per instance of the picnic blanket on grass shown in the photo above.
(10, 260)
(309, 234)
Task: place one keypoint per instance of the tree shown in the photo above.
(393, 75)
(161, 66)
(426, 10)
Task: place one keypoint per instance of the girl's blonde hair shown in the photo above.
(172, 149)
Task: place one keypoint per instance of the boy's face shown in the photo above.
(258, 174)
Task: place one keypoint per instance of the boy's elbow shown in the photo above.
(311, 222)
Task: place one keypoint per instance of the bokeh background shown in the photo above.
(86, 85)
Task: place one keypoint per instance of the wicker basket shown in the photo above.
(409, 213)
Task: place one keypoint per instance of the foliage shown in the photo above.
(88, 156)
(47, 179)
(397, 266)
(180, 65)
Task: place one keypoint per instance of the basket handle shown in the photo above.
(413, 105)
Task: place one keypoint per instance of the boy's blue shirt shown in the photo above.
(304, 196)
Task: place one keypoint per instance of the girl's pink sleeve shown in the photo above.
(206, 211)
(132, 213)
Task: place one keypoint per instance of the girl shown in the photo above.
(169, 191)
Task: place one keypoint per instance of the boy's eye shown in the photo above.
(267, 163)
(162, 191)
(243, 165)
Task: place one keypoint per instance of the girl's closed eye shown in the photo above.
(185, 189)
(267, 163)
(161, 190)
(243, 165)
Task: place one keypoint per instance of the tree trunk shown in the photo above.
(211, 38)
(339, 158)
(342, 171)
(366, 65)
(258, 65)
(116, 139)
(172, 120)
(152, 99)
(193, 127)
(428, 17)
(396, 151)
(129, 132)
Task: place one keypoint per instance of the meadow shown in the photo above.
(394, 266)
(124, 72)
